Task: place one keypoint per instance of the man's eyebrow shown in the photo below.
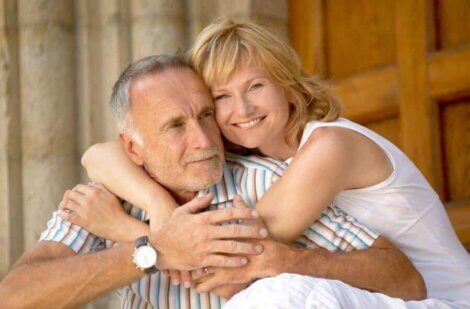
(172, 120)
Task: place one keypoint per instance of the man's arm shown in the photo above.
(370, 269)
(53, 275)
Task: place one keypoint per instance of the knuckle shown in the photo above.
(94, 194)
(229, 212)
(204, 232)
(236, 229)
(232, 246)
(202, 218)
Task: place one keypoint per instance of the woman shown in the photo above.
(266, 104)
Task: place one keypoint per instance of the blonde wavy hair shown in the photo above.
(222, 45)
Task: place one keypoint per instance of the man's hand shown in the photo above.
(191, 240)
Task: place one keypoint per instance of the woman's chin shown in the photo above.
(248, 143)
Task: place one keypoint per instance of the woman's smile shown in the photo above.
(250, 123)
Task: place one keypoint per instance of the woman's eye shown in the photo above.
(256, 86)
(220, 97)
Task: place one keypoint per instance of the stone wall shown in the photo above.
(58, 62)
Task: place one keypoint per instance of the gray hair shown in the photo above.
(120, 98)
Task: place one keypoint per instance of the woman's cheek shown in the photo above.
(221, 116)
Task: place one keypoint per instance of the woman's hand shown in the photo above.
(108, 163)
(97, 210)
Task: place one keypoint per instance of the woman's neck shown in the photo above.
(278, 149)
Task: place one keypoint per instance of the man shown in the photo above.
(165, 115)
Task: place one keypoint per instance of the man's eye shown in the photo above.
(176, 125)
(208, 114)
(220, 97)
(256, 86)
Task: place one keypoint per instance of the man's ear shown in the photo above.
(133, 149)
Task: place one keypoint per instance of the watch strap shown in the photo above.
(141, 241)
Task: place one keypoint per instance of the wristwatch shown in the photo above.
(145, 256)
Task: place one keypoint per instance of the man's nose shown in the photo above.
(199, 137)
(243, 106)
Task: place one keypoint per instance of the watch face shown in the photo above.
(145, 257)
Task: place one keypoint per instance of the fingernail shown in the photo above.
(176, 282)
(259, 248)
(244, 261)
(263, 232)
(187, 284)
(255, 214)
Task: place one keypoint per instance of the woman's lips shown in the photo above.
(249, 124)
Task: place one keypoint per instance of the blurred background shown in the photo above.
(402, 68)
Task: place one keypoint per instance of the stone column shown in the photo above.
(199, 13)
(158, 26)
(103, 51)
(11, 227)
(47, 93)
(269, 13)
(273, 14)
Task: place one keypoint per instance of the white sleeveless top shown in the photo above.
(406, 210)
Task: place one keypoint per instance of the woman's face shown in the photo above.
(251, 109)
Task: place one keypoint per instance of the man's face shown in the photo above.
(174, 114)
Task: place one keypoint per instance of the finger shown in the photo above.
(227, 214)
(186, 278)
(219, 260)
(208, 285)
(196, 274)
(70, 216)
(197, 204)
(235, 247)
(99, 187)
(77, 197)
(175, 276)
(237, 231)
(83, 189)
(165, 272)
(70, 205)
(238, 202)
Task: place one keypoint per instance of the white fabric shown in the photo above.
(406, 210)
(296, 291)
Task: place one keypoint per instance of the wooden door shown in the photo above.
(401, 68)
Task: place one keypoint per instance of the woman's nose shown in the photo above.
(243, 107)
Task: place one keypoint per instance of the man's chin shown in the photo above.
(205, 179)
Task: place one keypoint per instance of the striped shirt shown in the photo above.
(248, 177)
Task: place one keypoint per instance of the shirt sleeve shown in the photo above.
(75, 237)
(335, 230)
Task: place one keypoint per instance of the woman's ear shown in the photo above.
(134, 150)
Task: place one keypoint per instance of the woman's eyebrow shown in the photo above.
(244, 83)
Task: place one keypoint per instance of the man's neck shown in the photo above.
(182, 197)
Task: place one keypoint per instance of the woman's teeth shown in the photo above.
(249, 123)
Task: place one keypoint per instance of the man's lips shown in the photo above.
(201, 160)
(250, 123)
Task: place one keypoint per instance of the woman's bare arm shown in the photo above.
(332, 160)
(107, 163)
